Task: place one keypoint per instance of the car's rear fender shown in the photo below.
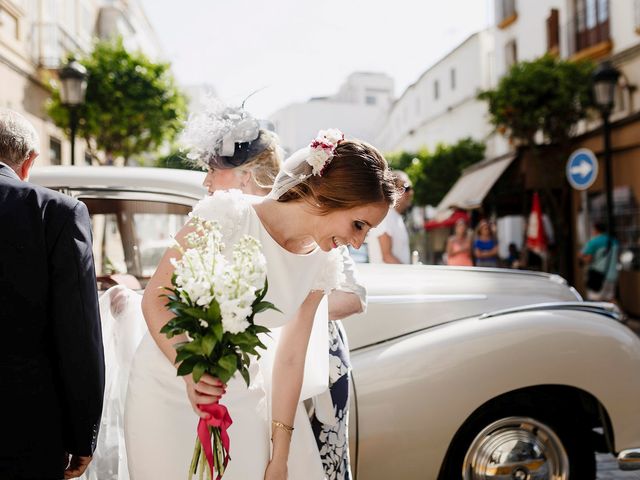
(416, 391)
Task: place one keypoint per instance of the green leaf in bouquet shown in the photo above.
(262, 293)
(168, 330)
(209, 342)
(186, 367)
(183, 355)
(260, 329)
(194, 346)
(244, 339)
(198, 370)
(228, 362)
(245, 374)
(262, 306)
(217, 330)
(250, 350)
(213, 313)
(195, 312)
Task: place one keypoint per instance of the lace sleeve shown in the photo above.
(331, 274)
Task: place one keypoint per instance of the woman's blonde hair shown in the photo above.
(265, 166)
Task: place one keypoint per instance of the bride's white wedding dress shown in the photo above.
(160, 426)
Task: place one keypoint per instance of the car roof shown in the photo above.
(167, 180)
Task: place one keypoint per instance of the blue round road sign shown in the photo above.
(582, 169)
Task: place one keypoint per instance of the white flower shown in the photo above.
(331, 135)
(204, 323)
(317, 158)
(322, 148)
(226, 208)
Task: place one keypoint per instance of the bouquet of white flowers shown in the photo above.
(214, 301)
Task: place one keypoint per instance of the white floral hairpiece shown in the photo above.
(322, 148)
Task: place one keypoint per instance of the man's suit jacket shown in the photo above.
(51, 356)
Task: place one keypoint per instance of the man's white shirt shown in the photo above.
(393, 225)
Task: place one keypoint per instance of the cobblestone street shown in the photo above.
(608, 469)
(607, 465)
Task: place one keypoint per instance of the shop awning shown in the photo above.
(447, 222)
(474, 184)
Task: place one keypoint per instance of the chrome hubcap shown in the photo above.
(516, 448)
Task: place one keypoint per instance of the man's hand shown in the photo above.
(77, 465)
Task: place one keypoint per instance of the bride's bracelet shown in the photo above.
(275, 424)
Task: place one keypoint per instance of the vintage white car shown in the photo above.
(457, 372)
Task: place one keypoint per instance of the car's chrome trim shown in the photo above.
(629, 459)
(603, 308)
(122, 193)
(504, 271)
(423, 298)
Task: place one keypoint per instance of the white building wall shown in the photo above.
(297, 124)
(624, 18)
(366, 88)
(358, 109)
(420, 119)
(529, 31)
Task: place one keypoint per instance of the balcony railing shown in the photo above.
(505, 12)
(50, 43)
(588, 29)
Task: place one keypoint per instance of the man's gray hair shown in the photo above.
(18, 138)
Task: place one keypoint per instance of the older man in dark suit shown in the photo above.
(51, 361)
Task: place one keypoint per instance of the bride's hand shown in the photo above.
(208, 390)
(276, 470)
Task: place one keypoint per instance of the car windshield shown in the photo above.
(130, 237)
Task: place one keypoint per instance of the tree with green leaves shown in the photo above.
(547, 95)
(538, 105)
(132, 104)
(433, 174)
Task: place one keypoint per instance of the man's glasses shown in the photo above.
(407, 187)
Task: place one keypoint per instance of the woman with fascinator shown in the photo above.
(326, 195)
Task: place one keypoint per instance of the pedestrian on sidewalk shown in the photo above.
(600, 257)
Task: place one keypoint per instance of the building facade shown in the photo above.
(596, 30)
(36, 36)
(442, 105)
(358, 108)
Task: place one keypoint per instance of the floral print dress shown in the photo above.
(333, 440)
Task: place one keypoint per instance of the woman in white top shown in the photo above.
(327, 195)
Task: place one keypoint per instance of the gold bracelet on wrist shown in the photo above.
(287, 428)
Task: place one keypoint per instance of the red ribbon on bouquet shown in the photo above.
(218, 417)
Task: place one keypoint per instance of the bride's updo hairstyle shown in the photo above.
(357, 174)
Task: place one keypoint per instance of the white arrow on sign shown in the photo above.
(583, 169)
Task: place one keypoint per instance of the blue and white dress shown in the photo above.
(332, 433)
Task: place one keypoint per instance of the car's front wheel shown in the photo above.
(533, 446)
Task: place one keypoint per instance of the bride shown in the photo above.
(326, 195)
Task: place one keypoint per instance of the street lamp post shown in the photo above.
(73, 77)
(605, 79)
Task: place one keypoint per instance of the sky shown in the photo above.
(292, 50)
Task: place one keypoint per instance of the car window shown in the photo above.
(130, 236)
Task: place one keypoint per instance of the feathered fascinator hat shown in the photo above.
(222, 137)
